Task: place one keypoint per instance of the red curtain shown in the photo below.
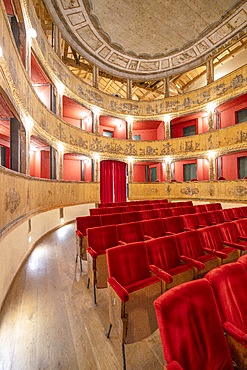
(112, 181)
(106, 181)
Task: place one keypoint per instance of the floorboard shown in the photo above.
(49, 321)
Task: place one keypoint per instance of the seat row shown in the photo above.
(137, 207)
(138, 273)
(194, 316)
(132, 202)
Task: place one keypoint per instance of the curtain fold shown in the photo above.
(112, 181)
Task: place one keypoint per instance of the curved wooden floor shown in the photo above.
(49, 322)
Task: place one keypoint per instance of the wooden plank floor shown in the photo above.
(49, 322)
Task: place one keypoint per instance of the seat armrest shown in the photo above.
(234, 245)
(119, 289)
(93, 253)
(199, 265)
(242, 238)
(174, 365)
(188, 229)
(236, 333)
(163, 275)
(147, 237)
(169, 233)
(121, 242)
(215, 252)
(79, 233)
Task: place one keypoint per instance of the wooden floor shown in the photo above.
(49, 322)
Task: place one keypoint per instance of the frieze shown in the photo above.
(189, 191)
(241, 191)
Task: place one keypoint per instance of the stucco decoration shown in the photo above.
(148, 39)
(12, 200)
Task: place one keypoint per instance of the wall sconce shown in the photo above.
(167, 118)
(130, 160)
(129, 119)
(211, 154)
(60, 87)
(32, 32)
(96, 156)
(1, 52)
(96, 111)
(168, 159)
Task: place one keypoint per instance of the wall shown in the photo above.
(228, 110)
(45, 164)
(72, 169)
(35, 164)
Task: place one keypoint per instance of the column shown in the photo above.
(57, 40)
(25, 150)
(95, 77)
(59, 161)
(129, 89)
(53, 172)
(15, 145)
(166, 87)
(129, 127)
(210, 71)
(96, 168)
(167, 124)
(31, 34)
(168, 169)
(130, 169)
(212, 166)
(211, 110)
(52, 99)
(58, 100)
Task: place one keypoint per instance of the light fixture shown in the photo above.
(96, 110)
(60, 147)
(129, 119)
(32, 32)
(96, 156)
(211, 107)
(211, 154)
(1, 52)
(60, 87)
(130, 159)
(167, 118)
(168, 159)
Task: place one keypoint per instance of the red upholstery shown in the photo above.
(177, 211)
(216, 216)
(229, 283)
(164, 212)
(149, 214)
(173, 225)
(153, 228)
(230, 236)
(189, 209)
(210, 207)
(200, 208)
(211, 238)
(129, 266)
(163, 252)
(204, 219)
(190, 245)
(238, 212)
(100, 238)
(244, 211)
(130, 232)
(217, 206)
(241, 226)
(98, 211)
(190, 221)
(190, 329)
(243, 259)
(111, 219)
(228, 214)
(131, 216)
(84, 222)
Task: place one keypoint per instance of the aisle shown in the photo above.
(49, 322)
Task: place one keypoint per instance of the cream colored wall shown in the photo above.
(15, 245)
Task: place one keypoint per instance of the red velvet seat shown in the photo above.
(231, 238)
(153, 228)
(82, 224)
(98, 211)
(99, 240)
(111, 219)
(177, 211)
(241, 226)
(200, 208)
(189, 210)
(190, 221)
(228, 214)
(211, 238)
(243, 259)
(163, 253)
(173, 225)
(238, 212)
(190, 245)
(229, 283)
(244, 211)
(216, 217)
(132, 289)
(130, 232)
(204, 219)
(189, 324)
(164, 212)
(149, 214)
(131, 216)
(210, 207)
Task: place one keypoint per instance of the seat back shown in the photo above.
(149, 214)
(130, 232)
(102, 237)
(241, 226)
(128, 264)
(211, 237)
(229, 232)
(228, 214)
(177, 211)
(238, 212)
(164, 212)
(216, 216)
(190, 221)
(189, 244)
(210, 207)
(111, 219)
(131, 216)
(200, 208)
(204, 219)
(229, 283)
(154, 228)
(190, 329)
(163, 252)
(85, 222)
(173, 224)
(189, 209)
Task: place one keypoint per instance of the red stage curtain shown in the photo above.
(119, 181)
(106, 181)
(112, 181)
